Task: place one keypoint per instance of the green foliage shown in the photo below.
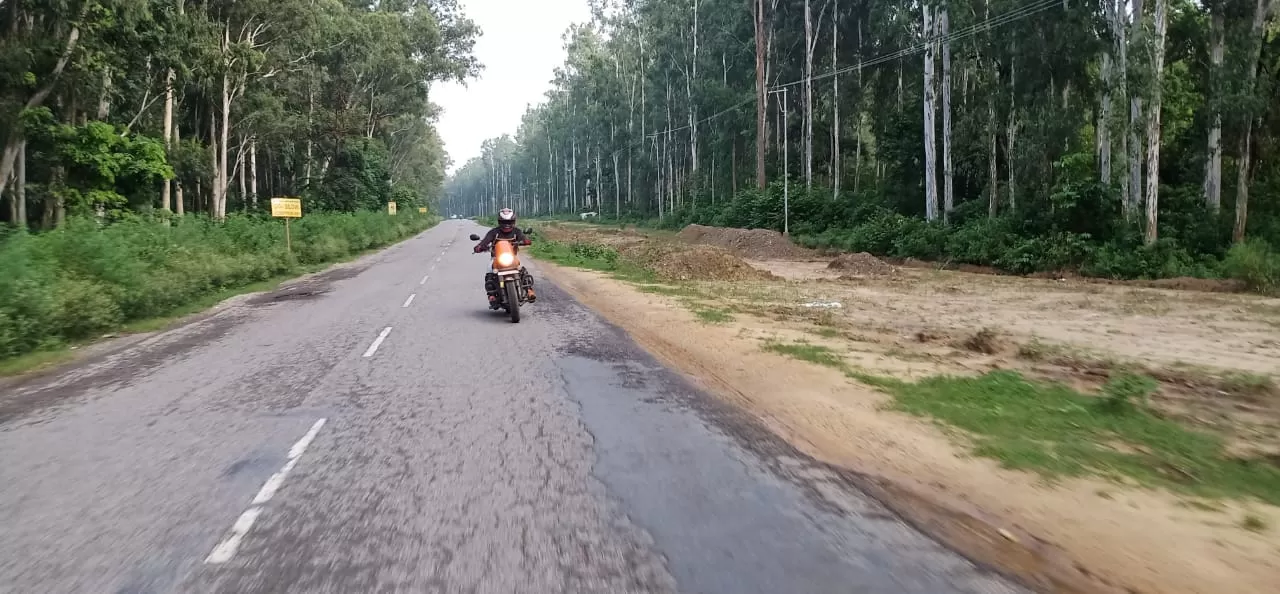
(672, 133)
(93, 165)
(85, 279)
(579, 254)
(1127, 392)
(1255, 264)
(1055, 431)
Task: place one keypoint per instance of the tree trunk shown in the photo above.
(178, 197)
(858, 113)
(1242, 185)
(166, 187)
(57, 186)
(1153, 122)
(836, 173)
(596, 184)
(733, 168)
(930, 141)
(1122, 82)
(1011, 135)
(808, 94)
(20, 189)
(1213, 161)
(311, 108)
(1261, 9)
(244, 182)
(761, 141)
(14, 139)
(1103, 127)
(688, 88)
(948, 192)
(1135, 127)
(253, 173)
(993, 179)
(104, 97)
(212, 204)
(220, 209)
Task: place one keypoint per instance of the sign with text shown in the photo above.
(289, 208)
(422, 210)
(391, 208)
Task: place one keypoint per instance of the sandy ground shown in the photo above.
(1210, 350)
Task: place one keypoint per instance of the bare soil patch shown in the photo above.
(1215, 357)
(698, 262)
(749, 243)
(861, 263)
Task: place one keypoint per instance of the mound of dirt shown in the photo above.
(861, 263)
(1207, 285)
(698, 262)
(759, 244)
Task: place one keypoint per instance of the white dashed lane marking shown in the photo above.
(377, 342)
(229, 545)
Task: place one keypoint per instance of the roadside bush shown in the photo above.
(1254, 263)
(85, 279)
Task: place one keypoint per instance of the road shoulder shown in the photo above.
(997, 517)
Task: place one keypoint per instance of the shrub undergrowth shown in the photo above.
(84, 279)
(1078, 228)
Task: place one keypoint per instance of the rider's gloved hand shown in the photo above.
(477, 249)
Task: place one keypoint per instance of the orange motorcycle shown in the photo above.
(508, 284)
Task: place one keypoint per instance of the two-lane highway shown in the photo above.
(378, 429)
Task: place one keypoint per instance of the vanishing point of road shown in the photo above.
(377, 429)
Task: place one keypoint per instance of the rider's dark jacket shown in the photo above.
(497, 233)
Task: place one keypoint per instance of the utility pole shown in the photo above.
(786, 176)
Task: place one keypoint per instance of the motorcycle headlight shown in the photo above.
(506, 259)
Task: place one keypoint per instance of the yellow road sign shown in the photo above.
(422, 210)
(289, 208)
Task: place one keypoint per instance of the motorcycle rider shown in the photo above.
(506, 229)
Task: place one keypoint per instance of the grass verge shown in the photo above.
(63, 289)
(1055, 431)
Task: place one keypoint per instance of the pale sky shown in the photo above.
(519, 48)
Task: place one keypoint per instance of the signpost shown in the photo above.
(286, 208)
(422, 210)
(391, 208)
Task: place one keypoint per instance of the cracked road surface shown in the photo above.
(377, 429)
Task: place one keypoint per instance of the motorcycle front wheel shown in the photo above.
(513, 302)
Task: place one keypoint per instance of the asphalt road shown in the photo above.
(377, 429)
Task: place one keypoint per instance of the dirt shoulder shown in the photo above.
(1211, 354)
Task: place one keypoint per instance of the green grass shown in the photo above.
(712, 315)
(590, 256)
(1055, 431)
(68, 287)
(669, 290)
(62, 353)
(812, 353)
(34, 361)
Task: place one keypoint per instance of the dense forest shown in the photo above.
(118, 107)
(143, 140)
(1122, 139)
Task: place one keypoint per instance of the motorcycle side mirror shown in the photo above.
(475, 237)
(528, 231)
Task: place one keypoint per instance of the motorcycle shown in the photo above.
(509, 283)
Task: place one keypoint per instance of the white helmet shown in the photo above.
(506, 216)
